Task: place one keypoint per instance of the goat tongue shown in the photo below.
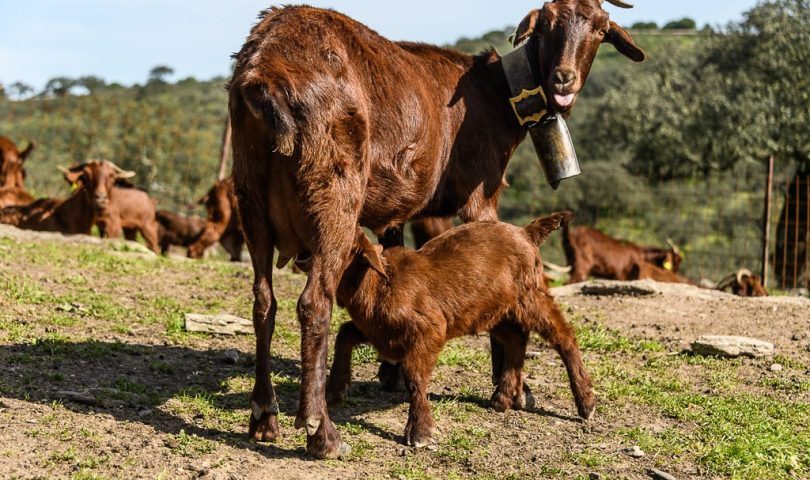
(564, 100)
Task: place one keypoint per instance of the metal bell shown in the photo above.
(555, 149)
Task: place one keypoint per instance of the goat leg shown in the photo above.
(340, 377)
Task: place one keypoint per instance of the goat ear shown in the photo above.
(71, 176)
(24, 154)
(526, 28)
(619, 38)
(371, 253)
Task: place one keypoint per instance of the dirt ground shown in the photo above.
(98, 379)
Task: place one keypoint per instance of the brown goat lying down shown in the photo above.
(646, 270)
(479, 277)
(592, 253)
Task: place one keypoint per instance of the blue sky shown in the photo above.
(121, 40)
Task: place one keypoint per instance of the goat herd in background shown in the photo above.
(102, 196)
(355, 130)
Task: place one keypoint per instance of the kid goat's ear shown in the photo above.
(371, 253)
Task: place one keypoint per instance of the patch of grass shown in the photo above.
(364, 354)
(738, 435)
(789, 362)
(15, 331)
(597, 337)
(590, 458)
(460, 444)
(459, 354)
(409, 471)
(190, 445)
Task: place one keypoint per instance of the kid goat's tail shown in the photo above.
(542, 227)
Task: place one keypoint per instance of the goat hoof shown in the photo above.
(311, 426)
(587, 409)
(265, 428)
(525, 400)
(500, 403)
(326, 443)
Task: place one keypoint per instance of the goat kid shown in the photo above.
(118, 208)
(178, 230)
(479, 277)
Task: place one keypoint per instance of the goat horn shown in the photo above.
(673, 246)
(62, 169)
(557, 268)
(744, 272)
(120, 172)
(725, 282)
(618, 3)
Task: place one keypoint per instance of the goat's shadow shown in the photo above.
(128, 380)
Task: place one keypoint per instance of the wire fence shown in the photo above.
(718, 223)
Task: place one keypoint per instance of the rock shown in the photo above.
(231, 356)
(531, 354)
(594, 476)
(222, 324)
(145, 412)
(777, 367)
(635, 451)
(798, 336)
(656, 474)
(730, 346)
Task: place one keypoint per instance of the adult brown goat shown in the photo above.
(74, 215)
(12, 163)
(222, 224)
(497, 261)
(12, 173)
(592, 253)
(743, 283)
(334, 125)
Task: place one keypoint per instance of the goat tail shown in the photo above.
(539, 230)
(271, 106)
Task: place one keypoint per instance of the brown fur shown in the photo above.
(645, 270)
(12, 170)
(130, 210)
(14, 196)
(118, 208)
(178, 230)
(335, 125)
(408, 304)
(222, 224)
(592, 253)
(427, 229)
(743, 284)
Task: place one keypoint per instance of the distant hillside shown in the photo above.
(170, 133)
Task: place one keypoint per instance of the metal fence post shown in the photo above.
(766, 236)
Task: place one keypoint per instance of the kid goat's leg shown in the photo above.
(340, 377)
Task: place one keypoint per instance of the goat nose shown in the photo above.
(564, 77)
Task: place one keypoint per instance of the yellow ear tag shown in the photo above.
(668, 265)
(73, 187)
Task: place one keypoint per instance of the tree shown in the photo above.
(685, 23)
(644, 26)
(20, 89)
(91, 83)
(59, 87)
(159, 73)
(731, 100)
